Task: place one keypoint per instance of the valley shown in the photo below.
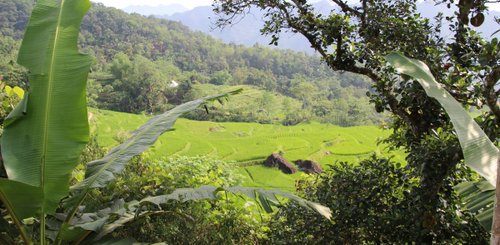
(246, 145)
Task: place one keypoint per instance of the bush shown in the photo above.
(230, 220)
(372, 203)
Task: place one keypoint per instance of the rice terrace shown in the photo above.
(248, 144)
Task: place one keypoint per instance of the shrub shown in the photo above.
(230, 220)
(371, 203)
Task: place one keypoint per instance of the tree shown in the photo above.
(479, 152)
(370, 204)
(356, 37)
(221, 78)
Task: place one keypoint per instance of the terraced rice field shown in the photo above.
(248, 144)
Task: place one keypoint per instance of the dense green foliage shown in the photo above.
(9, 97)
(480, 153)
(137, 58)
(373, 203)
(229, 220)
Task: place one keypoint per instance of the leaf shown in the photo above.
(21, 205)
(184, 195)
(8, 90)
(125, 241)
(479, 198)
(93, 222)
(102, 171)
(18, 112)
(41, 148)
(479, 152)
(265, 198)
(18, 91)
(209, 192)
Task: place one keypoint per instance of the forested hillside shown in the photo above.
(138, 58)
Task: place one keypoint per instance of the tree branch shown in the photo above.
(491, 96)
(348, 9)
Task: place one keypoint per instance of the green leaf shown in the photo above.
(265, 198)
(41, 148)
(18, 91)
(93, 222)
(479, 198)
(18, 112)
(479, 152)
(21, 205)
(125, 241)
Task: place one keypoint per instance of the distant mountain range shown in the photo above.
(247, 30)
(156, 10)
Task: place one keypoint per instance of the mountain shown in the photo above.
(246, 31)
(156, 10)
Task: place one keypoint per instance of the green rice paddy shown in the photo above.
(248, 144)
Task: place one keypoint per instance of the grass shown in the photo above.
(248, 144)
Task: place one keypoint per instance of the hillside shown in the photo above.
(248, 144)
(137, 58)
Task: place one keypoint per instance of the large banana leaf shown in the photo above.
(101, 172)
(479, 198)
(46, 133)
(266, 198)
(479, 152)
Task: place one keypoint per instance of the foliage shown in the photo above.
(10, 72)
(256, 105)
(372, 203)
(39, 159)
(9, 97)
(222, 221)
(479, 198)
(137, 58)
(479, 152)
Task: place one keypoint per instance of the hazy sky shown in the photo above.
(189, 3)
(125, 3)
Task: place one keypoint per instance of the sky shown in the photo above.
(124, 3)
(191, 3)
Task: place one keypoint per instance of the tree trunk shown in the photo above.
(495, 228)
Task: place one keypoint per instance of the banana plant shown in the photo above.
(479, 152)
(46, 132)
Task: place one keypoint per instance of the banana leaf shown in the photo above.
(265, 198)
(479, 152)
(45, 134)
(479, 198)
